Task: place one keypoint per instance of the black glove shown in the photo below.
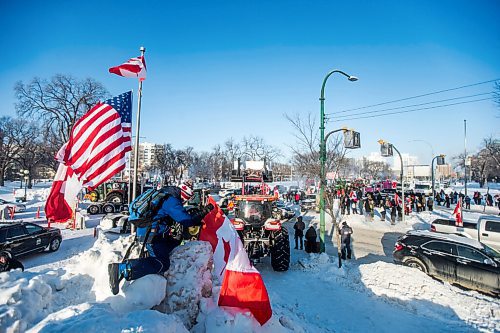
(197, 217)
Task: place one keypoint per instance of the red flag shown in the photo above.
(134, 67)
(397, 199)
(242, 284)
(99, 141)
(457, 213)
(62, 198)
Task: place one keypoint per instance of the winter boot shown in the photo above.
(116, 273)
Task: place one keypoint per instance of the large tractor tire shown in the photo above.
(115, 198)
(280, 252)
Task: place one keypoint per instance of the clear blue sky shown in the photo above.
(220, 69)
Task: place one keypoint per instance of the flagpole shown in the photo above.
(136, 145)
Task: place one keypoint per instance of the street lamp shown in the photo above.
(386, 150)
(440, 161)
(26, 178)
(322, 154)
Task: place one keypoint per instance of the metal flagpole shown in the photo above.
(136, 147)
(465, 155)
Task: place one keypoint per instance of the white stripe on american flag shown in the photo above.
(97, 131)
(110, 172)
(92, 146)
(96, 122)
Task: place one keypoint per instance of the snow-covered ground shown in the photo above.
(67, 291)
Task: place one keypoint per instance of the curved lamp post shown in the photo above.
(322, 154)
(439, 162)
(386, 151)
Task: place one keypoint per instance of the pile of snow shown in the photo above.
(78, 296)
(409, 289)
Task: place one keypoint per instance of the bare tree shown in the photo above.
(306, 149)
(255, 148)
(10, 129)
(32, 154)
(57, 104)
(375, 170)
(484, 164)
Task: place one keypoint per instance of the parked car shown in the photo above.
(486, 229)
(452, 258)
(309, 202)
(19, 207)
(23, 238)
(282, 211)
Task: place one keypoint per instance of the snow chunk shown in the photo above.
(97, 318)
(189, 280)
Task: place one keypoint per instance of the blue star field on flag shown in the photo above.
(123, 105)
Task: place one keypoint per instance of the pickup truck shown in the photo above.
(486, 229)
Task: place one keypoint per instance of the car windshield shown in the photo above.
(311, 197)
(422, 187)
(491, 252)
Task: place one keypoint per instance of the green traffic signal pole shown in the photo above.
(322, 158)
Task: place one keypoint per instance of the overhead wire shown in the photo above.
(417, 96)
(414, 110)
(412, 105)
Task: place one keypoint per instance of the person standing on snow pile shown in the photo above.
(299, 227)
(311, 236)
(8, 262)
(359, 195)
(345, 238)
(161, 240)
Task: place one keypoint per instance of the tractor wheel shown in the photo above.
(280, 252)
(108, 208)
(94, 196)
(115, 198)
(93, 209)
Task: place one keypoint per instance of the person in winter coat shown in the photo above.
(467, 202)
(8, 262)
(430, 203)
(393, 211)
(347, 204)
(311, 236)
(299, 227)
(447, 200)
(297, 198)
(359, 195)
(345, 241)
(161, 241)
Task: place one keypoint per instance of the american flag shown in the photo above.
(99, 141)
(134, 67)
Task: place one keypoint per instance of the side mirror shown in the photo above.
(490, 262)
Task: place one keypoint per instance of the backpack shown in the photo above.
(145, 207)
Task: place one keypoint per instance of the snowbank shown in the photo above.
(78, 297)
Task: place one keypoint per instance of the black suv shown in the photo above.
(24, 238)
(455, 259)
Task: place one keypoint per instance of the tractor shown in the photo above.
(261, 234)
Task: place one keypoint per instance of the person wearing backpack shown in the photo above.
(160, 240)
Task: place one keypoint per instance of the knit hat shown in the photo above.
(187, 190)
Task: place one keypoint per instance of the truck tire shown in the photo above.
(415, 263)
(280, 252)
(115, 198)
(93, 209)
(108, 208)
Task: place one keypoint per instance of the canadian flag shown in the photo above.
(242, 284)
(62, 198)
(457, 213)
